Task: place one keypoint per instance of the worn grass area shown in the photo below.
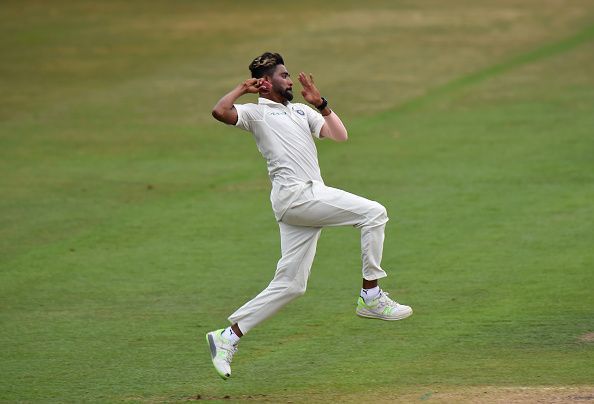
(476, 394)
(131, 223)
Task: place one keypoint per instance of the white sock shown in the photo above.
(230, 336)
(370, 294)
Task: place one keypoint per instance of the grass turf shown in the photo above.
(132, 223)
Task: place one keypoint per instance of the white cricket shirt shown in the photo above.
(284, 136)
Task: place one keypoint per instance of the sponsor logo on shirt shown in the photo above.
(278, 113)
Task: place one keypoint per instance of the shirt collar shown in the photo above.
(262, 100)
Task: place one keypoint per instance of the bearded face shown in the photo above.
(282, 83)
(287, 94)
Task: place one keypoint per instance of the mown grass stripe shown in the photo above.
(479, 76)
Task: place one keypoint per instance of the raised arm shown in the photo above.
(333, 127)
(224, 110)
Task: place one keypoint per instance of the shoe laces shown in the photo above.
(385, 301)
(228, 351)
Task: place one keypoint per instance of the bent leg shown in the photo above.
(320, 205)
(298, 248)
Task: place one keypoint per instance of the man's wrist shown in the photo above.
(321, 105)
(242, 90)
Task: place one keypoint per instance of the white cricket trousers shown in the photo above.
(316, 207)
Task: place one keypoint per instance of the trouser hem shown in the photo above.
(374, 277)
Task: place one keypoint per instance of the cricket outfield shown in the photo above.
(131, 223)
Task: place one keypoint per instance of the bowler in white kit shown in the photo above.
(284, 133)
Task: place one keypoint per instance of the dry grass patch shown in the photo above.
(486, 394)
(475, 395)
(587, 337)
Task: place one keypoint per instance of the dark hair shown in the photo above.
(265, 64)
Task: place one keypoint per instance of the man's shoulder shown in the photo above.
(248, 105)
(250, 110)
(299, 105)
(303, 106)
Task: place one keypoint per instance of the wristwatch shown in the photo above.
(323, 105)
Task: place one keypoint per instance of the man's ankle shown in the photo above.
(230, 335)
(369, 295)
(369, 284)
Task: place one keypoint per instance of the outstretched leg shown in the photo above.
(298, 247)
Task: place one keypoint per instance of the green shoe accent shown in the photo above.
(382, 308)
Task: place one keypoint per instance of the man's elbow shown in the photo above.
(335, 135)
(342, 137)
(217, 114)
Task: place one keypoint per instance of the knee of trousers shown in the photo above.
(377, 215)
(296, 290)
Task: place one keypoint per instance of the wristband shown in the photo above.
(323, 105)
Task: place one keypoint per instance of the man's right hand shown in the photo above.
(252, 86)
(224, 110)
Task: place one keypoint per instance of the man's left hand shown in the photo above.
(310, 92)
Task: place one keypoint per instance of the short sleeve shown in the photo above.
(315, 121)
(246, 114)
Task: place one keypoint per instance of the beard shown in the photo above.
(288, 94)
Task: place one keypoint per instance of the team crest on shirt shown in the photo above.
(300, 112)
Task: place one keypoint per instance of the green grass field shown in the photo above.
(131, 223)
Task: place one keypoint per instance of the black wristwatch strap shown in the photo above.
(323, 105)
